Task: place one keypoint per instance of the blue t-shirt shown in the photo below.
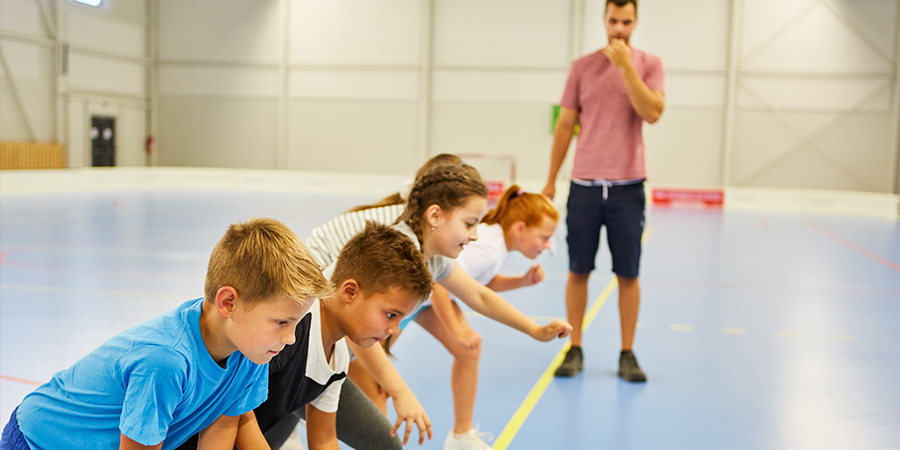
(155, 382)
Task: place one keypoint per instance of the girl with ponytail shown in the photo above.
(443, 213)
(441, 216)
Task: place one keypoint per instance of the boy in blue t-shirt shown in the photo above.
(195, 369)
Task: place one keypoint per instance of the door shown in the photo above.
(103, 141)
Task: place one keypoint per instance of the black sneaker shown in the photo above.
(572, 364)
(629, 369)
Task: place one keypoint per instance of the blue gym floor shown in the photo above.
(757, 330)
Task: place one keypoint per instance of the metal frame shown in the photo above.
(896, 104)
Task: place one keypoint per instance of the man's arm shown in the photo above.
(648, 104)
(321, 431)
(562, 137)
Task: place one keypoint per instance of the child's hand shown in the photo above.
(534, 276)
(469, 339)
(409, 410)
(557, 329)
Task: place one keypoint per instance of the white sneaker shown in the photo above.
(470, 440)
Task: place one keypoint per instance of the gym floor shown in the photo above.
(757, 330)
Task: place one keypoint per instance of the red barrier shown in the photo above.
(710, 198)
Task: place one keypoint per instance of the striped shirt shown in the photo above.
(326, 241)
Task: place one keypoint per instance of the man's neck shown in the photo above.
(331, 326)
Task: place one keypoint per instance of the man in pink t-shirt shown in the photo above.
(610, 93)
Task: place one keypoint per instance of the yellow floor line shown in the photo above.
(518, 419)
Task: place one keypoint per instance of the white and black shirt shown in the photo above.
(301, 374)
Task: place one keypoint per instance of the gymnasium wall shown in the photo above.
(760, 93)
(64, 62)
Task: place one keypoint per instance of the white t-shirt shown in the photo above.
(483, 258)
(319, 369)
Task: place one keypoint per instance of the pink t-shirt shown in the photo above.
(610, 144)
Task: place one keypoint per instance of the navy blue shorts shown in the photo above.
(12, 438)
(622, 212)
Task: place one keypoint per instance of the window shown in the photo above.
(89, 2)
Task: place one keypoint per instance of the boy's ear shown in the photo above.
(349, 291)
(433, 215)
(225, 300)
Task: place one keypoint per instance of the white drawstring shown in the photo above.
(606, 183)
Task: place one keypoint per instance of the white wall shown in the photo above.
(103, 72)
(761, 93)
(378, 86)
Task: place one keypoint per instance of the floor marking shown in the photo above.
(537, 391)
(85, 291)
(20, 380)
(515, 423)
(677, 327)
(890, 264)
(787, 334)
(727, 330)
(842, 337)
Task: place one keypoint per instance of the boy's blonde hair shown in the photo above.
(516, 205)
(380, 258)
(262, 258)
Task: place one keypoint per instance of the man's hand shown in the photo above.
(549, 190)
(618, 53)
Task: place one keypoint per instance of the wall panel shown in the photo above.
(684, 147)
(21, 16)
(358, 84)
(353, 136)
(219, 81)
(497, 128)
(98, 31)
(100, 74)
(542, 87)
(31, 68)
(501, 33)
(218, 132)
(220, 30)
(354, 32)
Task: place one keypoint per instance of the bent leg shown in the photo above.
(464, 375)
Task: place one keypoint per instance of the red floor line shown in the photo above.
(856, 246)
(20, 380)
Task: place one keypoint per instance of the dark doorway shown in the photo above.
(103, 141)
